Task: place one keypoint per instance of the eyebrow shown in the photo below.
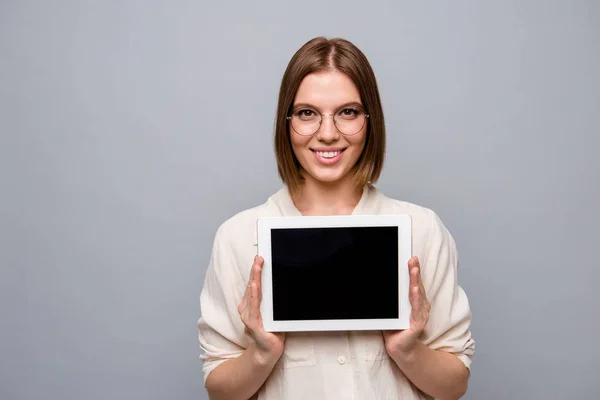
(307, 105)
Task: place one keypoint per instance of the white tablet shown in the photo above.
(335, 272)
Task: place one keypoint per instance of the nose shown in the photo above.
(328, 131)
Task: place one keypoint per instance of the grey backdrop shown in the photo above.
(131, 129)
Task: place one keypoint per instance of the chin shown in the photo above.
(330, 177)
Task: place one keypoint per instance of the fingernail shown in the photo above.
(256, 258)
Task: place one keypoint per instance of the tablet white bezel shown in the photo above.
(402, 221)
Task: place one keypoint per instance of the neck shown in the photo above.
(324, 198)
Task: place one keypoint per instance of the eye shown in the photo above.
(305, 114)
(349, 113)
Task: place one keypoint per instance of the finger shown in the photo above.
(254, 312)
(244, 301)
(243, 309)
(260, 261)
(423, 293)
(418, 266)
(413, 266)
(418, 278)
(250, 278)
(413, 274)
(258, 276)
(420, 301)
(246, 308)
(423, 301)
(416, 302)
(425, 306)
(243, 305)
(256, 269)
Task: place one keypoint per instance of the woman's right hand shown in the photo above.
(268, 345)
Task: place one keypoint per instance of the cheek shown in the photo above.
(299, 143)
(358, 142)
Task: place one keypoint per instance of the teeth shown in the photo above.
(328, 154)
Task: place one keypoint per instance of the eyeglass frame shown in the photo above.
(332, 115)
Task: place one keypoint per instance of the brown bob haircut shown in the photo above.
(318, 55)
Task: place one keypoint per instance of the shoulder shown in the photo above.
(422, 217)
(432, 243)
(427, 226)
(234, 245)
(239, 230)
(241, 225)
(235, 242)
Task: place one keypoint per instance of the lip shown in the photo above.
(328, 160)
(328, 148)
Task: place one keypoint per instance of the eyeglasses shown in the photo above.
(348, 120)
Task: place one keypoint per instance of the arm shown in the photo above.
(437, 373)
(435, 352)
(241, 377)
(238, 354)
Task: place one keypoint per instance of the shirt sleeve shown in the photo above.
(220, 330)
(450, 318)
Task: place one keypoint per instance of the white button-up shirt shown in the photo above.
(333, 365)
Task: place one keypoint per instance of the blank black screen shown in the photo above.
(335, 273)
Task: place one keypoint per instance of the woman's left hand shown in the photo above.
(402, 343)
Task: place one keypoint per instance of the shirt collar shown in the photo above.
(286, 207)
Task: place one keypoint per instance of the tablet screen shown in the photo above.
(335, 273)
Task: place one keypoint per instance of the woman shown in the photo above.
(330, 144)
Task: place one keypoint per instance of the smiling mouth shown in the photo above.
(328, 154)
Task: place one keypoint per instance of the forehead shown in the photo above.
(328, 89)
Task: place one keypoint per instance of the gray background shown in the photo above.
(131, 130)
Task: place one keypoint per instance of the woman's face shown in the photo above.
(328, 155)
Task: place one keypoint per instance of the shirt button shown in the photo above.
(342, 360)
